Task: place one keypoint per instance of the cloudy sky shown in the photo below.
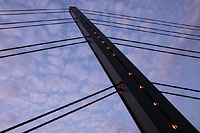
(32, 84)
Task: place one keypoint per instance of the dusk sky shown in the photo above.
(35, 83)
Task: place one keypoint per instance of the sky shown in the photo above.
(34, 83)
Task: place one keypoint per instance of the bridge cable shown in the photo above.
(27, 10)
(175, 87)
(161, 21)
(175, 94)
(143, 21)
(38, 44)
(11, 14)
(162, 51)
(37, 50)
(33, 21)
(25, 26)
(144, 27)
(156, 45)
(70, 112)
(57, 109)
(159, 33)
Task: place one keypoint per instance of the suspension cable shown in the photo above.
(70, 112)
(150, 44)
(38, 44)
(25, 26)
(27, 10)
(161, 21)
(147, 31)
(162, 51)
(37, 50)
(10, 14)
(33, 21)
(57, 109)
(180, 95)
(143, 21)
(144, 27)
(176, 87)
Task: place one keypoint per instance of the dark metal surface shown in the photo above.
(151, 111)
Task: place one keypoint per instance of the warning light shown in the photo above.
(130, 74)
(141, 87)
(155, 103)
(107, 48)
(174, 126)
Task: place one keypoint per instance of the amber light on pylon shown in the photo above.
(141, 86)
(155, 103)
(174, 126)
(107, 48)
(130, 74)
